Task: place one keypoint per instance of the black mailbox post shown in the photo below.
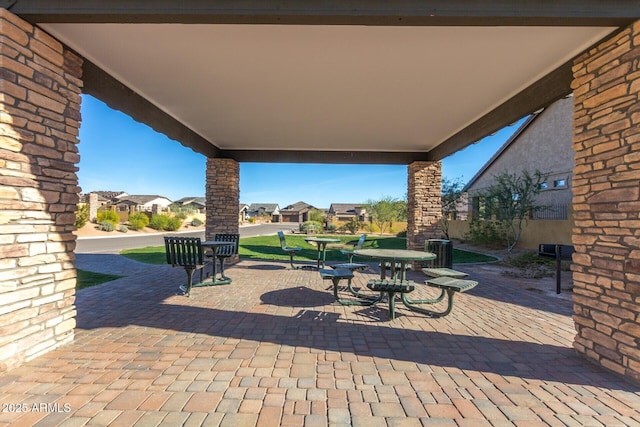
(560, 253)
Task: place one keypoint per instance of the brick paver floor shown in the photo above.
(274, 349)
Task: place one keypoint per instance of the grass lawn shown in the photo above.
(268, 247)
(87, 279)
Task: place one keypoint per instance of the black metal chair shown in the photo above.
(224, 252)
(185, 252)
(291, 250)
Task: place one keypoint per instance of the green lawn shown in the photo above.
(87, 279)
(268, 247)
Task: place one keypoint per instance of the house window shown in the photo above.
(543, 186)
(559, 183)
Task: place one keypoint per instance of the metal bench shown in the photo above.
(448, 286)
(335, 275)
(185, 252)
(391, 287)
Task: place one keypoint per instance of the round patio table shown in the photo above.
(398, 259)
(321, 242)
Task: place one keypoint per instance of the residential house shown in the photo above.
(544, 143)
(141, 203)
(297, 212)
(104, 197)
(346, 212)
(195, 204)
(264, 210)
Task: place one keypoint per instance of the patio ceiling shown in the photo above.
(340, 82)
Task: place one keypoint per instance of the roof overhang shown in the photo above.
(328, 81)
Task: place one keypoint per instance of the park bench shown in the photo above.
(185, 252)
(391, 287)
(448, 286)
(338, 274)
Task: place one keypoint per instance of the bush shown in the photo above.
(82, 216)
(159, 222)
(173, 223)
(138, 221)
(402, 234)
(353, 225)
(106, 226)
(311, 227)
(108, 216)
(123, 228)
(196, 222)
(331, 228)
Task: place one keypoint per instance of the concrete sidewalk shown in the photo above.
(273, 348)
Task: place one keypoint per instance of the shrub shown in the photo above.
(402, 234)
(353, 225)
(123, 228)
(196, 222)
(82, 216)
(106, 226)
(173, 223)
(332, 227)
(311, 227)
(108, 216)
(138, 221)
(159, 222)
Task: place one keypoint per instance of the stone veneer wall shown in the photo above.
(424, 204)
(39, 120)
(606, 266)
(223, 197)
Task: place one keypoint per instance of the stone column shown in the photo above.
(40, 84)
(223, 197)
(424, 204)
(92, 202)
(606, 203)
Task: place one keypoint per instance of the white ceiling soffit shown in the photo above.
(295, 87)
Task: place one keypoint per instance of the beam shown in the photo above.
(332, 12)
(541, 94)
(103, 86)
(324, 157)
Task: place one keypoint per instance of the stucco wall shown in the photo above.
(544, 145)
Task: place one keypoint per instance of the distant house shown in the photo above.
(544, 143)
(264, 210)
(141, 203)
(297, 212)
(197, 204)
(346, 212)
(242, 212)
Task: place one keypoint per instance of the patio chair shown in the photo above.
(291, 250)
(185, 252)
(357, 244)
(224, 252)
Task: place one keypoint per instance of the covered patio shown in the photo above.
(323, 82)
(273, 348)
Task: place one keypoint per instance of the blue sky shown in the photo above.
(120, 154)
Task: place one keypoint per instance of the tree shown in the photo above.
(317, 215)
(512, 200)
(451, 195)
(384, 211)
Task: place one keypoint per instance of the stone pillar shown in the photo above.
(92, 202)
(223, 197)
(606, 203)
(424, 204)
(39, 120)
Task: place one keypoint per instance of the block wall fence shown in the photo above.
(40, 86)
